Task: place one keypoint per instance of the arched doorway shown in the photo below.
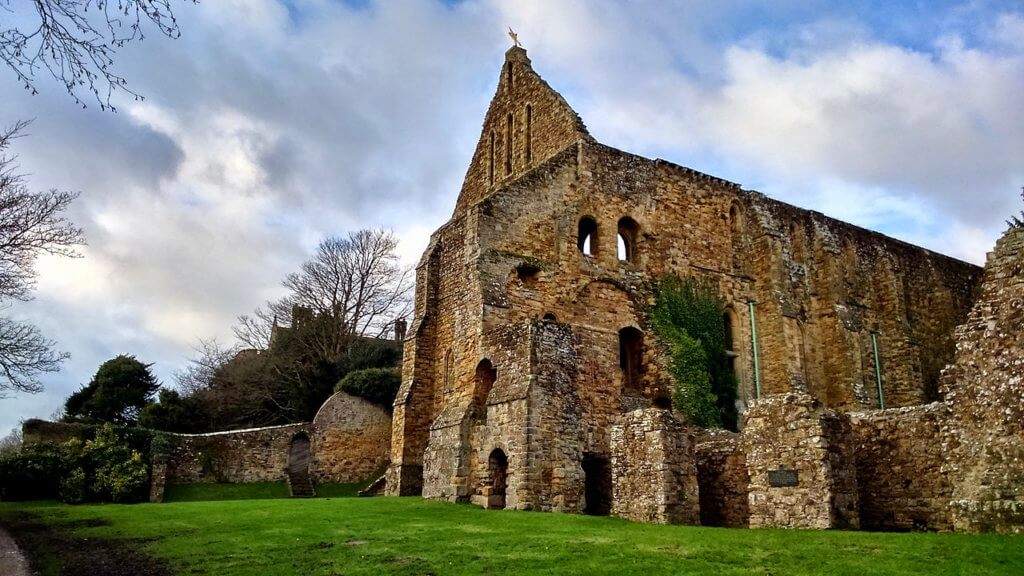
(497, 468)
(298, 466)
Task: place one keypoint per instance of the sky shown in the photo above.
(271, 124)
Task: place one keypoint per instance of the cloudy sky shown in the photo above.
(272, 123)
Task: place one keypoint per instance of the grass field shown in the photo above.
(412, 536)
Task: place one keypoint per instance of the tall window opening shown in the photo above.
(529, 134)
(508, 74)
(628, 234)
(508, 146)
(735, 220)
(490, 162)
(729, 321)
(586, 237)
(483, 381)
(497, 468)
(449, 367)
(631, 359)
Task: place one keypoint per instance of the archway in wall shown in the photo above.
(586, 236)
(597, 472)
(629, 232)
(298, 454)
(299, 481)
(497, 468)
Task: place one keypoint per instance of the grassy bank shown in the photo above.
(412, 536)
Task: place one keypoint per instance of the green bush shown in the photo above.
(378, 385)
(104, 468)
(120, 474)
(687, 316)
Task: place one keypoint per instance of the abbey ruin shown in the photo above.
(531, 378)
(880, 385)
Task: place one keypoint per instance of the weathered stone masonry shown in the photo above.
(530, 354)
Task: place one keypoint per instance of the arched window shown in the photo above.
(735, 219)
(550, 317)
(508, 74)
(631, 359)
(490, 162)
(586, 237)
(508, 146)
(483, 381)
(529, 134)
(628, 234)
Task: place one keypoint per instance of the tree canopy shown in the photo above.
(119, 391)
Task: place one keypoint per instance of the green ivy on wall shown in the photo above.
(687, 316)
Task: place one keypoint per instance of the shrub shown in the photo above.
(687, 317)
(120, 473)
(378, 385)
(106, 467)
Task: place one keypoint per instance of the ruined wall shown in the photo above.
(985, 391)
(901, 477)
(253, 455)
(789, 435)
(654, 478)
(723, 480)
(350, 440)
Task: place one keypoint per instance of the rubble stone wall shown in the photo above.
(350, 440)
(801, 467)
(900, 456)
(985, 390)
(723, 480)
(654, 477)
(253, 455)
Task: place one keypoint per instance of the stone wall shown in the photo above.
(723, 480)
(253, 455)
(985, 390)
(350, 440)
(801, 467)
(901, 477)
(654, 478)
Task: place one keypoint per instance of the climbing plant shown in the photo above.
(687, 317)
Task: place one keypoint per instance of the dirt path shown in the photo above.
(12, 561)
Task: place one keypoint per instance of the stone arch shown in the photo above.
(298, 454)
(497, 478)
(736, 219)
(586, 236)
(628, 234)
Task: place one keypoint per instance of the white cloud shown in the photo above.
(265, 130)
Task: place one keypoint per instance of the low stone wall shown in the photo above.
(723, 481)
(253, 455)
(802, 472)
(900, 476)
(654, 478)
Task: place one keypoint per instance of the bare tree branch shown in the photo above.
(75, 41)
(31, 224)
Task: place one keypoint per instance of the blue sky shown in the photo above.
(273, 123)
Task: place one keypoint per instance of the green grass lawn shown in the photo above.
(413, 536)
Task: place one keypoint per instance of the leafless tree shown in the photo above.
(13, 441)
(201, 370)
(351, 287)
(31, 224)
(75, 41)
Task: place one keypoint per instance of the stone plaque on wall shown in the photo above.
(782, 478)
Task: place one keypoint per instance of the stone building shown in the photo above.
(531, 378)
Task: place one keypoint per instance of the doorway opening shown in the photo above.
(597, 472)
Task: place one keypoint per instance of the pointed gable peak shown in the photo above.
(526, 123)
